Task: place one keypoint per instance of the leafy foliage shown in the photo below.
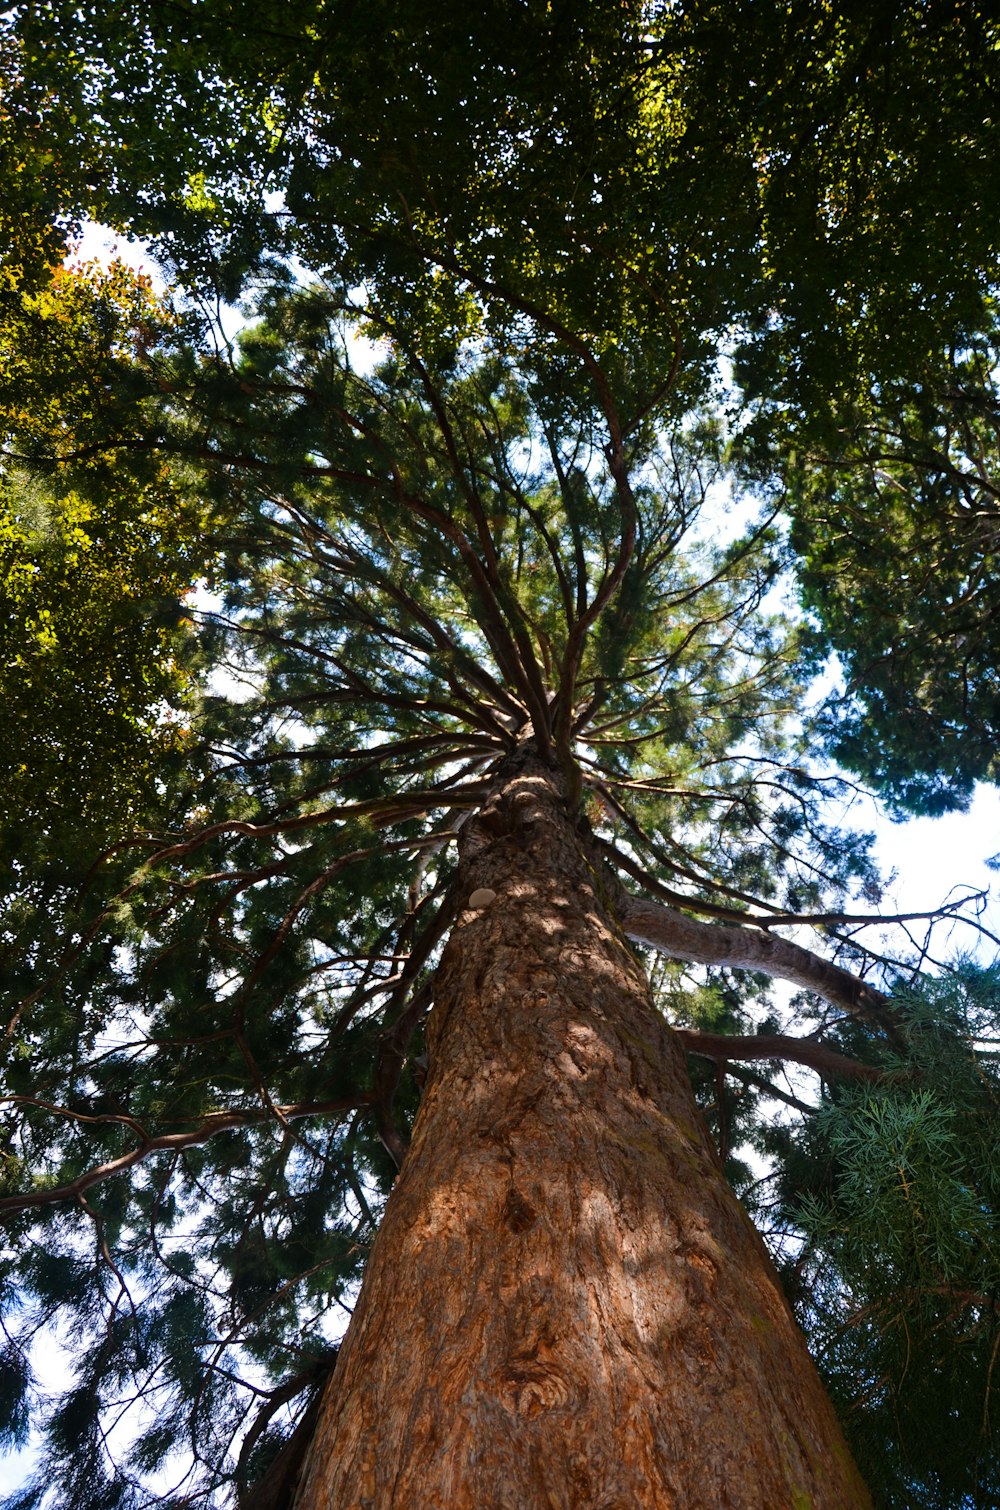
(41, 174)
(896, 528)
(96, 552)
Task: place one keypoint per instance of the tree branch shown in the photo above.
(215, 1122)
(818, 1056)
(687, 938)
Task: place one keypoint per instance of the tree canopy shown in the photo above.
(646, 333)
(809, 192)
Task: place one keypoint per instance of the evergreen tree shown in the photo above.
(489, 698)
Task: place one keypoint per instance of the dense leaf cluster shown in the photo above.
(97, 551)
(896, 517)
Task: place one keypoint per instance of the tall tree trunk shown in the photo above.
(566, 1307)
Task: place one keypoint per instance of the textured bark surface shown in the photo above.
(566, 1307)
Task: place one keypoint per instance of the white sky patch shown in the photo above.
(936, 858)
(100, 244)
(927, 861)
(104, 246)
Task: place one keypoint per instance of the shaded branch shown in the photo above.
(818, 1056)
(762, 1083)
(214, 1123)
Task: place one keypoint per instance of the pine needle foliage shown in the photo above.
(898, 1278)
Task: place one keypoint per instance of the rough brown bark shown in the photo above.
(565, 1307)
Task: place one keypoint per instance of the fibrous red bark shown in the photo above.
(565, 1306)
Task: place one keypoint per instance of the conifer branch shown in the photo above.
(745, 948)
(622, 861)
(210, 1127)
(817, 1056)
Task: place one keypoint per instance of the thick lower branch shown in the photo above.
(687, 938)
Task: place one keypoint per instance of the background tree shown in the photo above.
(478, 557)
(908, 474)
(96, 551)
(99, 548)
